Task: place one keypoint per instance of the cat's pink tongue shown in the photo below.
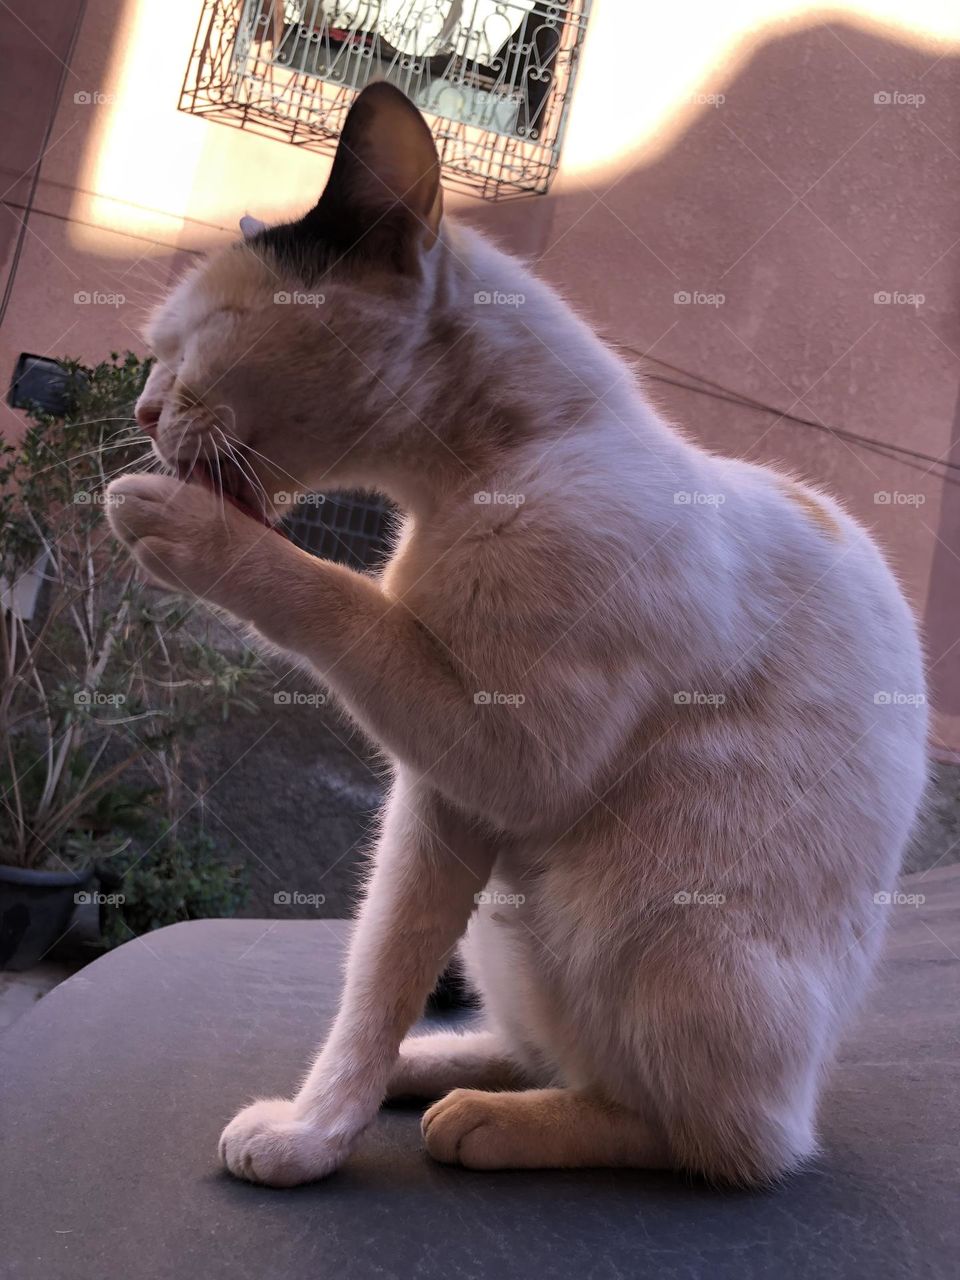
(201, 472)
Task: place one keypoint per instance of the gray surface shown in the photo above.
(936, 841)
(116, 1085)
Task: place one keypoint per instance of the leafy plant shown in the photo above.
(103, 681)
(181, 880)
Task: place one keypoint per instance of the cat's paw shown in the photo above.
(272, 1143)
(179, 533)
(470, 1127)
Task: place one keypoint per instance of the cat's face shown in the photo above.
(269, 356)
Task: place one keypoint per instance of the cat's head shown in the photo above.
(280, 361)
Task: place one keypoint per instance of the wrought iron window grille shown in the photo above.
(352, 528)
(494, 78)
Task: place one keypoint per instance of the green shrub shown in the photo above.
(102, 682)
(184, 879)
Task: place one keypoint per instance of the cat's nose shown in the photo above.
(148, 415)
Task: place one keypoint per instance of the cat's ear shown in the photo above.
(250, 227)
(383, 200)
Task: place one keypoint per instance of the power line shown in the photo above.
(717, 391)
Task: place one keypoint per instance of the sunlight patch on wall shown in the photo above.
(649, 70)
(142, 154)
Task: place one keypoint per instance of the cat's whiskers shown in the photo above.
(96, 422)
(128, 467)
(236, 459)
(91, 453)
(178, 454)
(184, 478)
(246, 470)
(219, 486)
(274, 466)
(256, 484)
(194, 460)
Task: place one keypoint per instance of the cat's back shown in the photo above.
(817, 583)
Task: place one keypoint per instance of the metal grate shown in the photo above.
(495, 78)
(351, 528)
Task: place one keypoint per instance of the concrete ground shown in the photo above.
(294, 792)
(19, 992)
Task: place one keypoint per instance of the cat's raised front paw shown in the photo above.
(181, 536)
(270, 1142)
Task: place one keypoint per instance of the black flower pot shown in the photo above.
(35, 911)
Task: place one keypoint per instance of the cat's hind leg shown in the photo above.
(541, 1129)
(431, 1065)
(561, 1128)
(729, 1060)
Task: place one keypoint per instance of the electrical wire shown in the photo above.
(717, 391)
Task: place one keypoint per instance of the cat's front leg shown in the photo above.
(430, 865)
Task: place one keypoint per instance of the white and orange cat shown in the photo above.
(656, 717)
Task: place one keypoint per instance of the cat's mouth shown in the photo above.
(232, 479)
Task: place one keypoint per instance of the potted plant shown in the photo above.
(102, 679)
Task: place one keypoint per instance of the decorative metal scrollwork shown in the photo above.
(493, 76)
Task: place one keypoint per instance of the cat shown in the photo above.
(656, 717)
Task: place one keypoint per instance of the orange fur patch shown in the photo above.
(820, 515)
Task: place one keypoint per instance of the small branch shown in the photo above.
(59, 820)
